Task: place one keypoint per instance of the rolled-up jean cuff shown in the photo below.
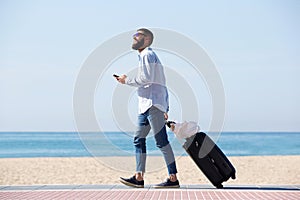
(172, 168)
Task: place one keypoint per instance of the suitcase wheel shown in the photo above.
(220, 186)
(233, 176)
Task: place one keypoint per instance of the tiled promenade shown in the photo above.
(107, 192)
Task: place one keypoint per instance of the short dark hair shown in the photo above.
(148, 33)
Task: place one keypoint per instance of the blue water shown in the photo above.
(71, 144)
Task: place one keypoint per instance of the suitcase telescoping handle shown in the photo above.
(168, 123)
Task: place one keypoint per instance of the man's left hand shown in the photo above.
(166, 116)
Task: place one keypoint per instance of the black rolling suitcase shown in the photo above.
(209, 158)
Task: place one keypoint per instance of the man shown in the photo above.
(153, 107)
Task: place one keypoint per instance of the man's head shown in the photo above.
(142, 38)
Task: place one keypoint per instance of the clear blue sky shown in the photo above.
(254, 44)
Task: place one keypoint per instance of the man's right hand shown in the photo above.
(122, 78)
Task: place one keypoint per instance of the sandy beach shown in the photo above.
(107, 170)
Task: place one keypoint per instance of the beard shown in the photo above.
(138, 44)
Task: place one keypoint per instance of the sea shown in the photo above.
(74, 144)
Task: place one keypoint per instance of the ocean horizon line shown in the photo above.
(118, 131)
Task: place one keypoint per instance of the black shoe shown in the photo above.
(168, 184)
(132, 182)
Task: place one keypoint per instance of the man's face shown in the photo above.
(138, 40)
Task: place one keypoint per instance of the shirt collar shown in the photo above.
(144, 51)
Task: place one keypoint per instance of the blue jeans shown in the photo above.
(153, 119)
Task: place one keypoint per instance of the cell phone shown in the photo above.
(116, 76)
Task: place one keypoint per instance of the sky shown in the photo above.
(254, 45)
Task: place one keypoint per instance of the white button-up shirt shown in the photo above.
(151, 82)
